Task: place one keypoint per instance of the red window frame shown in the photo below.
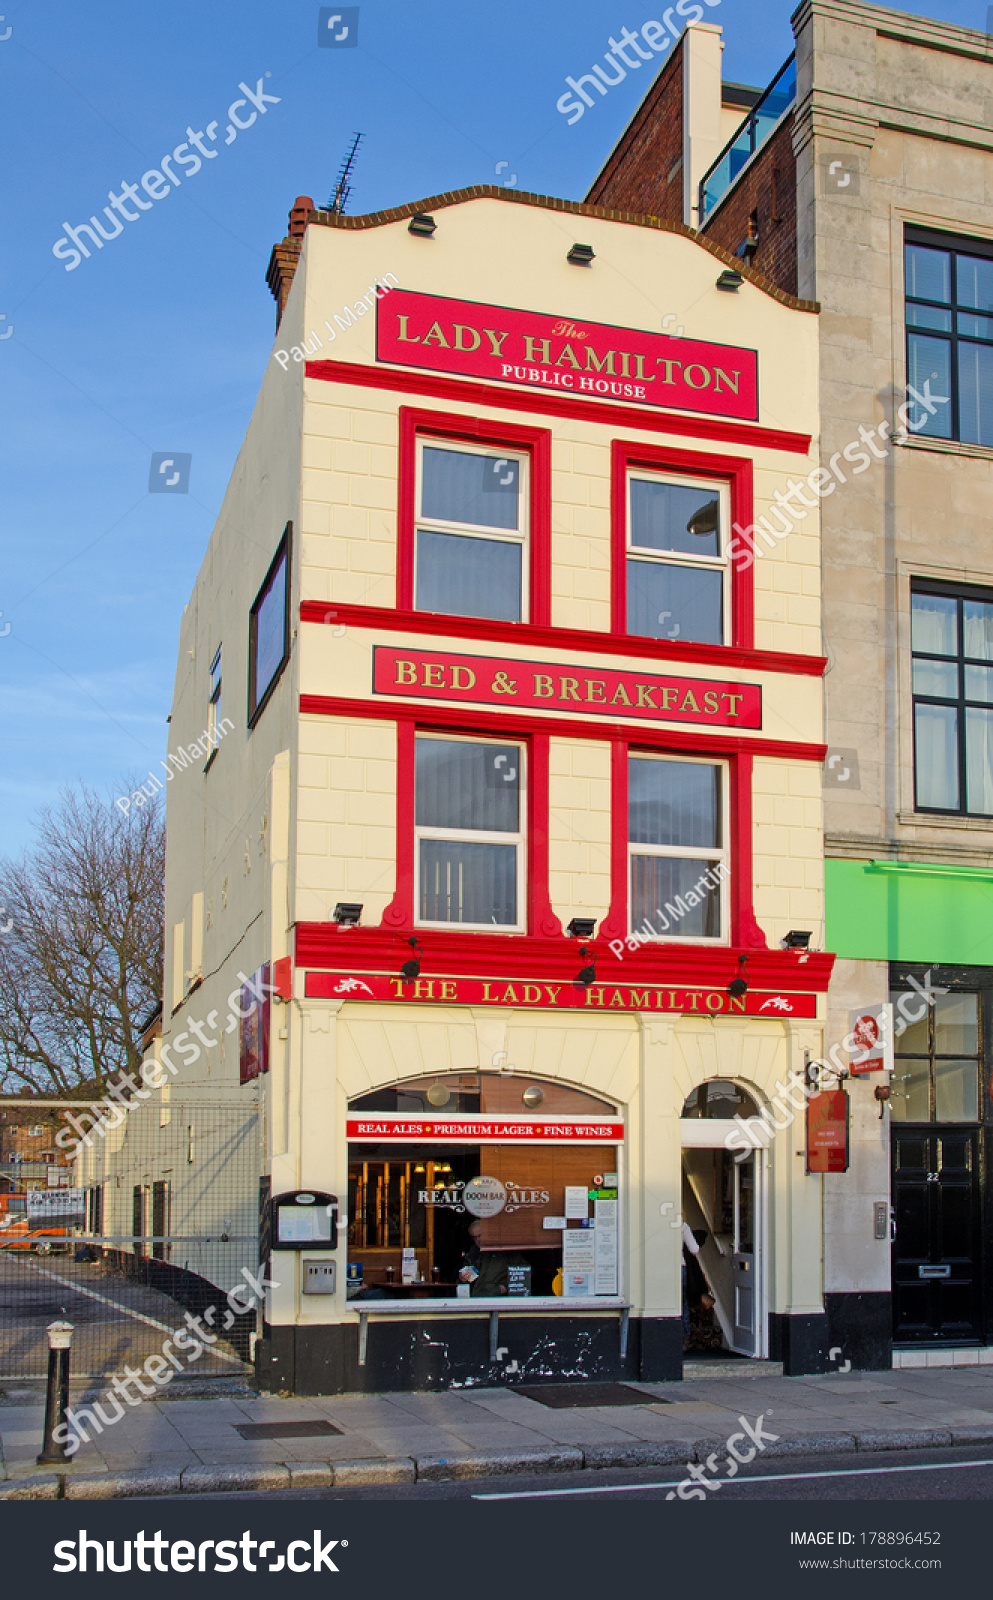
(539, 920)
(733, 471)
(535, 442)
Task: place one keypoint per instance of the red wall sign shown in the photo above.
(442, 990)
(549, 686)
(537, 350)
(475, 1130)
(827, 1132)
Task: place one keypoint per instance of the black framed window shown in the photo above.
(269, 630)
(952, 646)
(936, 1064)
(949, 314)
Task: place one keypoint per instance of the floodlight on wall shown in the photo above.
(581, 928)
(422, 225)
(581, 255)
(739, 985)
(347, 915)
(730, 280)
(796, 939)
(586, 974)
(411, 968)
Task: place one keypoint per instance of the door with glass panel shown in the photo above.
(743, 1259)
(936, 1183)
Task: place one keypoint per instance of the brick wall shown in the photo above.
(644, 173)
(768, 187)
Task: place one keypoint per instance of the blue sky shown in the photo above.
(158, 342)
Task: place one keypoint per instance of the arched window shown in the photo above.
(719, 1098)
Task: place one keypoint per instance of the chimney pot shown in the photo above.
(303, 205)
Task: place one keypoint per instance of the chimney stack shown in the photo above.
(284, 258)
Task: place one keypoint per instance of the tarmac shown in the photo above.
(187, 1441)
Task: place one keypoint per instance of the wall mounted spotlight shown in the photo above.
(422, 225)
(581, 928)
(730, 280)
(881, 1093)
(586, 975)
(347, 915)
(581, 255)
(739, 985)
(411, 968)
(796, 939)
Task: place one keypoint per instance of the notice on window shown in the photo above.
(297, 1224)
(577, 1202)
(578, 1251)
(605, 1247)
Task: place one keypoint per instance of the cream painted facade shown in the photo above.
(306, 809)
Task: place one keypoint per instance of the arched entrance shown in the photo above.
(723, 1202)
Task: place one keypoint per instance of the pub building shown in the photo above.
(522, 823)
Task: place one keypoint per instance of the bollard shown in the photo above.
(57, 1398)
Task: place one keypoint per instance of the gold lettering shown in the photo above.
(644, 692)
(532, 994)
(639, 1000)
(553, 990)
(719, 373)
(620, 696)
(668, 697)
(424, 989)
(567, 356)
(695, 366)
(403, 335)
(434, 335)
(692, 999)
(496, 339)
(544, 344)
(460, 328)
(617, 999)
(717, 999)
(486, 991)
(428, 681)
(711, 702)
(732, 697)
(509, 995)
(568, 688)
(689, 703)
(668, 365)
(595, 683)
(544, 688)
(737, 1002)
(448, 990)
(403, 669)
(470, 675)
(593, 362)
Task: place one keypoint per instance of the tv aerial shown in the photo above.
(342, 187)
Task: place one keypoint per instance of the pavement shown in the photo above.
(187, 1440)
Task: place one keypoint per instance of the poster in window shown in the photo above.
(254, 1053)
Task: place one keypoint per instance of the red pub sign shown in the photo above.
(507, 1130)
(548, 686)
(827, 1131)
(543, 351)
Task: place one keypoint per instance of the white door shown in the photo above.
(745, 1258)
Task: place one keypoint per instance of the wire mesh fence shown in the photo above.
(151, 1251)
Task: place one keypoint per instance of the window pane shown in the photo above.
(468, 577)
(460, 487)
(979, 760)
(670, 602)
(468, 785)
(675, 896)
(936, 757)
(929, 275)
(972, 326)
(978, 628)
(956, 1024)
(672, 516)
(973, 282)
(910, 1009)
(956, 1091)
(463, 882)
(929, 317)
(939, 678)
(674, 803)
(909, 1097)
(270, 631)
(978, 683)
(929, 361)
(934, 624)
(975, 394)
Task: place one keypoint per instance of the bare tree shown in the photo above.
(81, 919)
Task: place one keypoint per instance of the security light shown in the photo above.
(581, 255)
(739, 985)
(411, 969)
(796, 939)
(586, 975)
(422, 225)
(581, 928)
(730, 280)
(347, 915)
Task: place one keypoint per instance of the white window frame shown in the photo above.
(716, 854)
(719, 563)
(471, 530)
(474, 836)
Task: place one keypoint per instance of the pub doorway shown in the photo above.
(723, 1204)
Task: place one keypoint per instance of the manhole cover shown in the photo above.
(560, 1395)
(285, 1430)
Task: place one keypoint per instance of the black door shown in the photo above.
(936, 1248)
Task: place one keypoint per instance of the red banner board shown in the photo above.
(827, 1131)
(539, 350)
(376, 1126)
(451, 991)
(549, 686)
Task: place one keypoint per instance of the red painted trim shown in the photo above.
(542, 921)
(735, 471)
(522, 635)
(550, 405)
(745, 931)
(400, 912)
(615, 924)
(536, 442)
(323, 945)
(463, 719)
